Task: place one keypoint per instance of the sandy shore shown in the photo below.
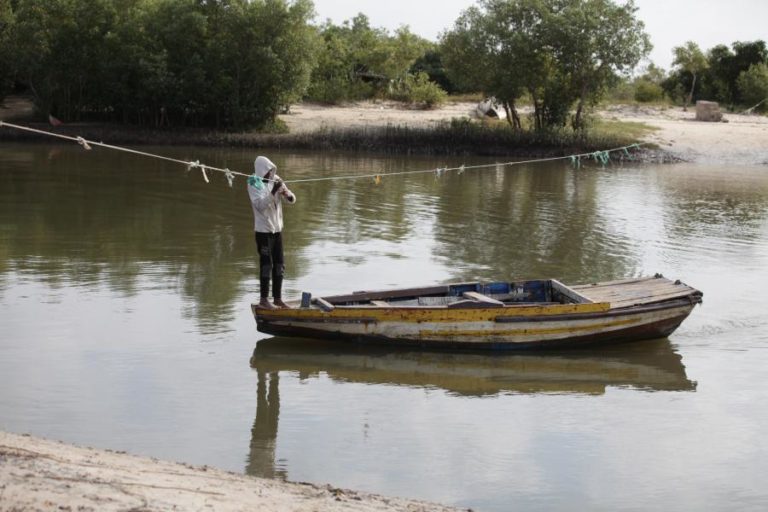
(743, 139)
(42, 475)
(310, 117)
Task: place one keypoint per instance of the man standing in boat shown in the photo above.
(267, 192)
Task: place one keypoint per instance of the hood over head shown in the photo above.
(262, 165)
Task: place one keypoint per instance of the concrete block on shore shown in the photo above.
(708, 111)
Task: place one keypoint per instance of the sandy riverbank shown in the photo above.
(743, 139)
(42, 475)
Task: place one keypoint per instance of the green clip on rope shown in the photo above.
(602, 156)
(576, 161)
(256, 182)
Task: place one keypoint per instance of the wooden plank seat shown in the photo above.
(479, 297)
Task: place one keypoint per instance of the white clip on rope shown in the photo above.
(205, 176)
(83, 143)
(230, 177)
(193, 165)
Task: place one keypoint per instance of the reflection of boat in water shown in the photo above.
(652, 366)
(492, 316)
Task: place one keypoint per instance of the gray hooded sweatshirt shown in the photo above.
(267, 207)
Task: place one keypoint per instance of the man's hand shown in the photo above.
(277, 186)
(288, 194)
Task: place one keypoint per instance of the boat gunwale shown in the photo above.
(337, 315)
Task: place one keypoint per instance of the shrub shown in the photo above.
(647, 91)
(338, 90)
(753, 85)
(418, 89)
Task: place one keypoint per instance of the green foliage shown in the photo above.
(431, 63)
(561, 52)
(420, 90)
(718, 75)
(356, 61)
(726, 65)
(647, 91)
(644, 88)
(691, 60)
(59, 52)
(228, 64)
(648, 86)
(6, 50)
(752, 84)
(621, 92)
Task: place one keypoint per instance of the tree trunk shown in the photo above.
(578, 123)
(538, 120)
(689, 99)
(512, 117)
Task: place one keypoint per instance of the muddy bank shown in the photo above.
(41, 475)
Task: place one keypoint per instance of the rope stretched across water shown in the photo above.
(599, 156)
(230, 175)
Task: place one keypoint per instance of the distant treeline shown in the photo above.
(225, 64)
(236, 64)
(735, 76)
(159, 62)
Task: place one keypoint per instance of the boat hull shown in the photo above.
(481, 328)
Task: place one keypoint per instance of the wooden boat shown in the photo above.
(499, 315)
(491, 108)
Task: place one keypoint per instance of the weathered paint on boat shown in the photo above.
(603, 312)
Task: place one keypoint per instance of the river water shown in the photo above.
(125, 286)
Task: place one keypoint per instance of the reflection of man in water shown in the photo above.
(261, 458)
(267, 192)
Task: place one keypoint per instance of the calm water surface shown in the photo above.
(124, 293)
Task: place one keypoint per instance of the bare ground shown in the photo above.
(743, 139)
(42, 475)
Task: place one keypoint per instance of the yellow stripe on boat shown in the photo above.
(433, 314)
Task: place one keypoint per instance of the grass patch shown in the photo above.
(629, 130)
(458, 137)
(467, 97)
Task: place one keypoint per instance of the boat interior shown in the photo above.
(499, 294)
(534, 292)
